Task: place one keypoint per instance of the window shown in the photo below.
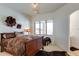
(37, 28)
(49, 27)
(44, 27)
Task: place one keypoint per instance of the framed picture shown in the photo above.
(18, 26)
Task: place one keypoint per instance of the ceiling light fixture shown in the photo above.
(35, 8)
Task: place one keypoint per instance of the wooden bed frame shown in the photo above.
(31, 46)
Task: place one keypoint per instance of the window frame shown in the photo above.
(35, 27)
(52, 27)
(40, 27)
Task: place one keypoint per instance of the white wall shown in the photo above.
(74, 29)
(20, 19)
(61, 19)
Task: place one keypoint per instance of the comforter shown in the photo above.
(15, 46)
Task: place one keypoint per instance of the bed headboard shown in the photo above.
(8, 35)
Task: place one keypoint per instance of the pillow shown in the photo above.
(29, 38)
(4, 36)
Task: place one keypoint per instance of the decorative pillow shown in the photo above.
(4, 36)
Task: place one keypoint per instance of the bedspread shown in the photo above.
(15, 46)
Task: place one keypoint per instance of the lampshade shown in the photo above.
(27, 30)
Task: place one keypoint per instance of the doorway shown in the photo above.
(74, 29)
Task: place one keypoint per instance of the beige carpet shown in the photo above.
(73, 53)
(51, 47)
(5, 54)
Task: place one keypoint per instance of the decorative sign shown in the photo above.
(10, 21)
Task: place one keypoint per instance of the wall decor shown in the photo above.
(10, 21)
(19, 26)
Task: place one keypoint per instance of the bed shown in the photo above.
(21, 45)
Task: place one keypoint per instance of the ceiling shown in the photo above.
(26, 8)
